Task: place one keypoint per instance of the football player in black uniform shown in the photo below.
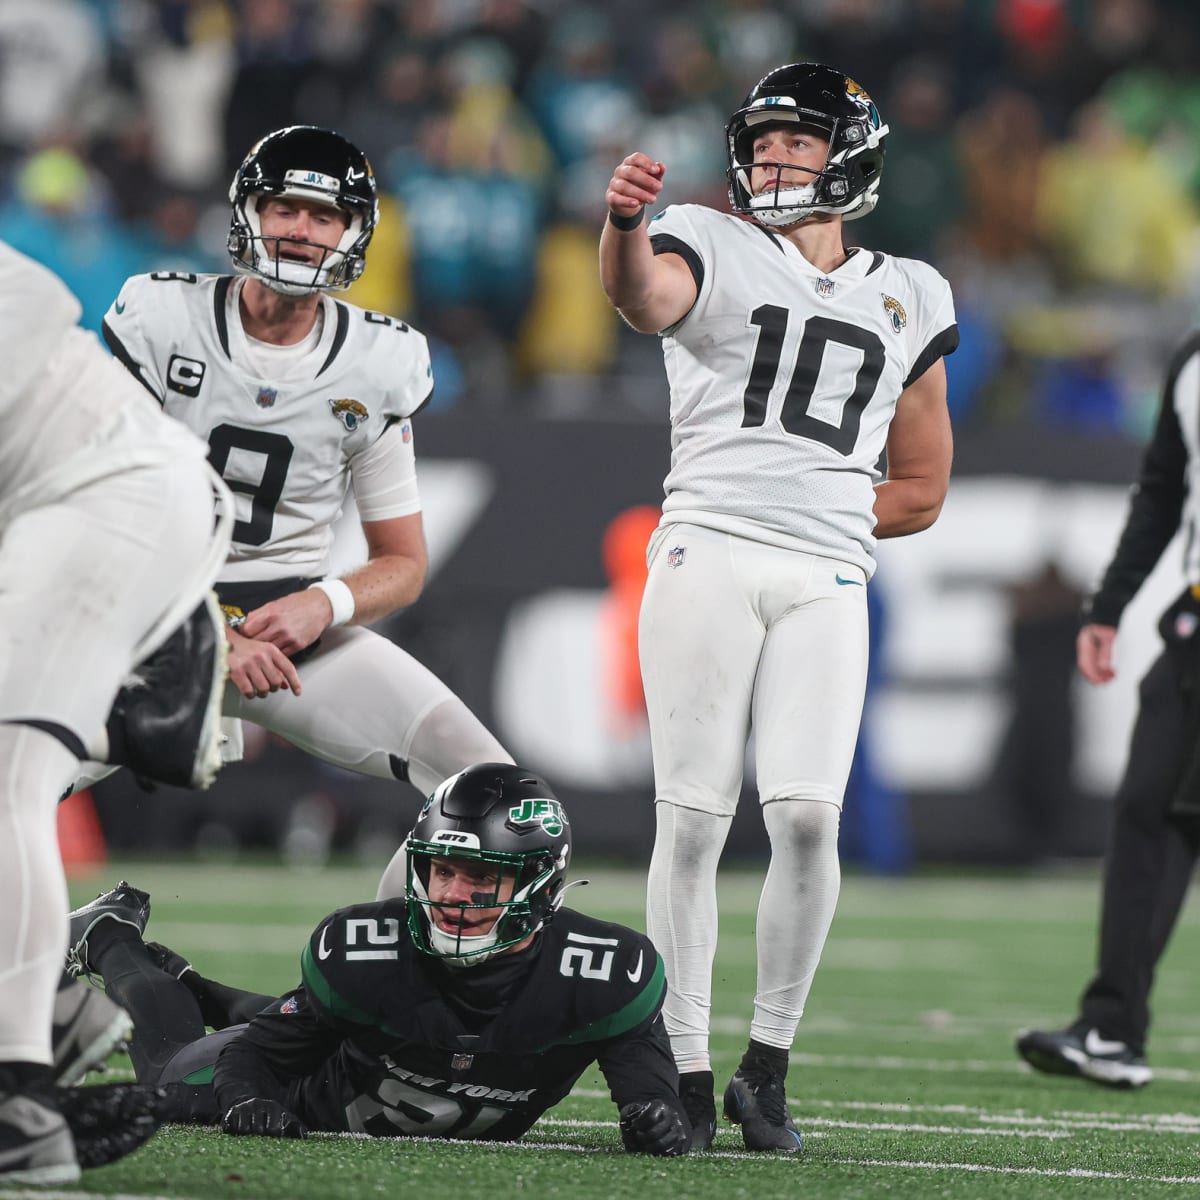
(465, 1009)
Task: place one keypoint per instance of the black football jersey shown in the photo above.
(383, 1039)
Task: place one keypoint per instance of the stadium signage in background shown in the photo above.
(513, 614)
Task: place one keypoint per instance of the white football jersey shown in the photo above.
(288, 444)
(784, 381)
(69, 415)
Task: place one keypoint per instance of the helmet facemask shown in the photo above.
(522, 879)
(259, 255)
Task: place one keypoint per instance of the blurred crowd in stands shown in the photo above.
(1044, 154)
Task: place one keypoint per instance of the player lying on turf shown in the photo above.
(466, 1009)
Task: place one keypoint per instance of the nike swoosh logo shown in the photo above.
(323, 951)
(636, 973)
(1097, 1046)
(847, 582)
(120, 307)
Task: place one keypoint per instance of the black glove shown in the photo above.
(654, 1127)
(263, 1118)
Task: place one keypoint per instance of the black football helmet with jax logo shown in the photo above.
(509, 819)
(305, 163)
(822, 99)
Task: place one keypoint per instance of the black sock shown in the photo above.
(760, 1055)
(28, 1077)
(165, 1014)
(696, 1081)
(221, 1005)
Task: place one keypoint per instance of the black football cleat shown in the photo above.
(88, 1027)
(1082, 1050)
(756, 1101)
(35, 1141)
(696, 1095)
(165, 724)
(109, 1120)
(124, 904)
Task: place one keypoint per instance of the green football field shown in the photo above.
(903, 1080)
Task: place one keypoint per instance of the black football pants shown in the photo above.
(1148, 863)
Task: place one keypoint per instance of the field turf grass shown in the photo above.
(903, 1078)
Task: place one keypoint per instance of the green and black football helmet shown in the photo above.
(306, 163)
(825, 100)
(503, 816)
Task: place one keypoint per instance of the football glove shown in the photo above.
(263, 1118)
(654, 1127)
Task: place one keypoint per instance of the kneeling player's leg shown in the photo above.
(34, 769)
(369, 706)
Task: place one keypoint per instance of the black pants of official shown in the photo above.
(1149, 859)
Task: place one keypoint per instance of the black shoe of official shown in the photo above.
(756, 1101)
(35, 1141)
(165, 724)
(696, 1095)
(1082, 1050)
(124, 904)
(165, 959)
(88, 1027)
(109, 1120)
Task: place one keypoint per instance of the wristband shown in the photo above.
(341, 598)
(625, 224)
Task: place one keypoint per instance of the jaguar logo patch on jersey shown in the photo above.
(546, 813)
(266, 397)
(895, 311)
(350, 412)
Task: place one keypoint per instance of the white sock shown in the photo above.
(35, 768)
(794, 912)
(681, 918)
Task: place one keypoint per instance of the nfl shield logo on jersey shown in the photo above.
(825, 288)
(675, 556)
(266, 397)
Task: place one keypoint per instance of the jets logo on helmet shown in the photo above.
(830, 103)
(506, 823)
(547, 813)
(303, 162)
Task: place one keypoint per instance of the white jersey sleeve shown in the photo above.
(784, 380)
(288, 446)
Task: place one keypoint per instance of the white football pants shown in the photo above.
(737, 634)
(83, 580)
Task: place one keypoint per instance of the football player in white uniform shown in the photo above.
(298, 396)
(107, 546)
(793, 364)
